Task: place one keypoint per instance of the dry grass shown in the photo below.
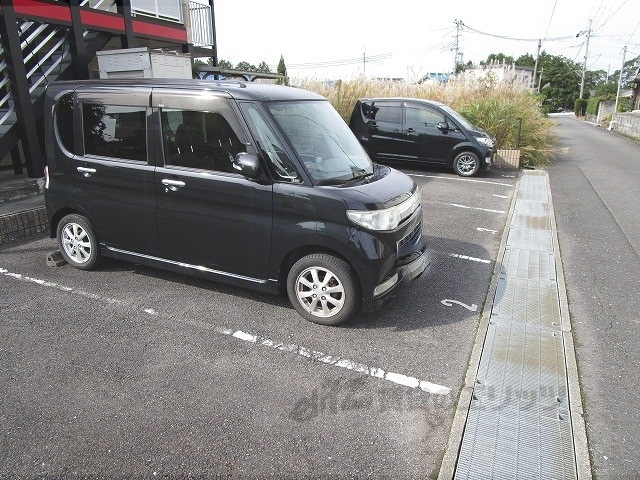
(509, 112)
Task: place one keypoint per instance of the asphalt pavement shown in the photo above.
(129, 371)
(595, 182)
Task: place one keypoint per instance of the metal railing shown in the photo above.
(201, 24)
(162, 9)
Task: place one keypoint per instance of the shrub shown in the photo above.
(508, 112)
(592, 105)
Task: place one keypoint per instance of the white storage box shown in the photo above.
(143, 63)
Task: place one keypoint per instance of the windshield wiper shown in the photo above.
(358, 176)
(331, 181)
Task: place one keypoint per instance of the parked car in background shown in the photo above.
(421, 132)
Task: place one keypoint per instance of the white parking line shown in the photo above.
(313, 355)
(475, 208)
(461, 179)
(467, 257)
(339, 362)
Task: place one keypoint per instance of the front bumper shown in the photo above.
(408, 269)
(489, 158)
(416, 267)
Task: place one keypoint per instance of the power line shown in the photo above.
(634, 32)
(503, 37)
(614, 13)
(550, 19)
(342, 62)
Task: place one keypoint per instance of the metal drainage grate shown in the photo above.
(519, 423)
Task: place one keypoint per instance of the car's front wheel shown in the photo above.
(78, 243)
(323, 289)
(466, 164)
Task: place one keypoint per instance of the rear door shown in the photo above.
(384, 138)
(113, 179)
(209, 216)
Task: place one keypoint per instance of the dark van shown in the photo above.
(255, 185)
(421, 132)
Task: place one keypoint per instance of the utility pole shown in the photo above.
(364, 62)
(584, 65)
(624, 57)
(535, 67)
(459, 25)
(540, 79)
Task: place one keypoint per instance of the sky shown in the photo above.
(344, 39)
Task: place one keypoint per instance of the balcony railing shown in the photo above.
(161, 9)
(201, 23)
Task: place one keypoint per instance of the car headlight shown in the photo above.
(388, 218)
(485, 141)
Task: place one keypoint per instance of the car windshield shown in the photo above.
(459, 118)
(322, 140)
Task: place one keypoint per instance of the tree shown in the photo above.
(526, 60)
(263, 67)
(594, 81)
(246, 67)
(282, 70)
(461, 67)
(497, 58)
(560, 80)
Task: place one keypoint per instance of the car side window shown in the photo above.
(64, 122)
(386, 113)
(272, 149)
(424, 117)
(199, 139)
(115, 131)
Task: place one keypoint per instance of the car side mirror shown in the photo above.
(247, 164)
(444, 126)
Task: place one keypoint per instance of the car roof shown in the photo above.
(235, 89)
(403, 99)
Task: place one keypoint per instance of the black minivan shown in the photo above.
(255, 185)
(421, 132)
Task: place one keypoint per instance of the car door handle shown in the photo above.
(172, 185)
(410, 130)
(86, 171)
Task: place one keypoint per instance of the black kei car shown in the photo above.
(421, 132)
(254, 185)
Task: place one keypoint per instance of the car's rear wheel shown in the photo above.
(78, 243)
(466, 164)
(323, 289)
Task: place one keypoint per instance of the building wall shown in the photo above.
(627, 123)
(502, 73)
